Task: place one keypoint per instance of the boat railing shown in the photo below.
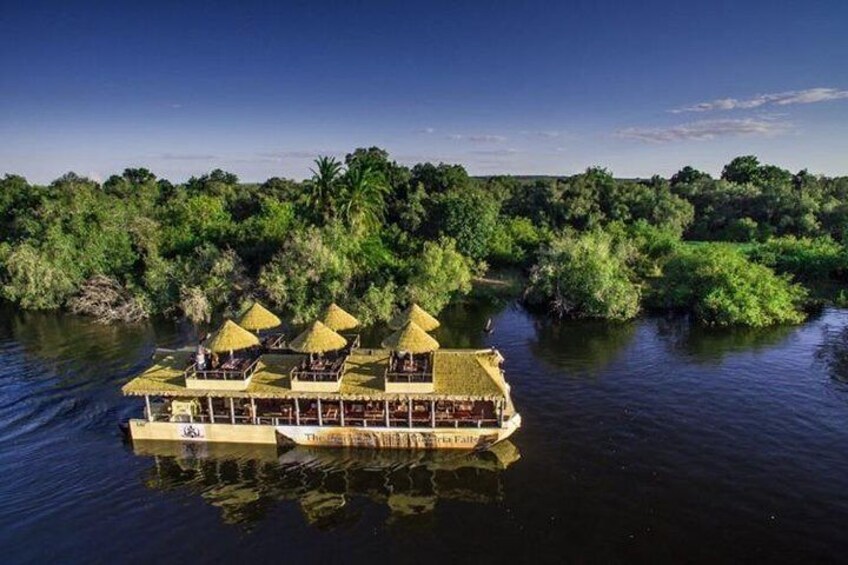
(222, 374)
(409, 376)
(327, 419)
(275, 342)
(307, 371)
(353, 341)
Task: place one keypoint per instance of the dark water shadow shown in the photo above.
(833, 353)
(704, 344)
(331, 487)
(580, 345)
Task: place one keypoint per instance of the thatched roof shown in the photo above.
(231, 337)
(337, 319)
(258, 318)
(417, 314)
(317, 338)
(411, 338)
(459, 375)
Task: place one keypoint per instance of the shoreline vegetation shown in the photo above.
(756, 247)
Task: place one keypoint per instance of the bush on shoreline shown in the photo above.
(374, 234)
(723, 288)
(584, 276)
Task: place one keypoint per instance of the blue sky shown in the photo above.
(260, 89)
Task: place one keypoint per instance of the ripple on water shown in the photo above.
(650, 440)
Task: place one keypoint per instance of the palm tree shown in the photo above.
(325, 178)
(363, 198)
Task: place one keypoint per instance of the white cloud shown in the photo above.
(478, 138)
(705, 130)
(427, 130)
(808, 96)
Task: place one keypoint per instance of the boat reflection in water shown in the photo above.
(246, 481)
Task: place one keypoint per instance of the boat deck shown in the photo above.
(459, 374)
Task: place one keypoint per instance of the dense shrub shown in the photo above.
(723, 288)
(585, 276)
(306, 275)
(806, 258)
(438, 273)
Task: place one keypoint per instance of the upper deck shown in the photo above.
(458, 374)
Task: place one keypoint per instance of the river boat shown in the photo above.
(326, 390)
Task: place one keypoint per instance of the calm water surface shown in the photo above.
(649, 441)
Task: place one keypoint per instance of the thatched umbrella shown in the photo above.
(337, 319)
(317, 338)
(417, 314)
(412, 339)
(231, 337)
(259, 318)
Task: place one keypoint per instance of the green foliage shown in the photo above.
(373, 233)
(35, 279)
(585, 276)
(195, 220)
(437, 274)
(808, 259)
(723, 288)
(515, 241)
(376, 304)
(469, 217)
(306, 275)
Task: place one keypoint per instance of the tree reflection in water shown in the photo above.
(833, 352)
(581, 345)
(245, 482)
(705, 344)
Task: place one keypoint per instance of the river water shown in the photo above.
(652, 442)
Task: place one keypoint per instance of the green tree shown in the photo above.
(323, 188)
(469, 217)
(362, 201)
(723, 288)
(438, 274)
(584, 276)
(307, 274)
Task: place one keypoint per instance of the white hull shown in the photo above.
(327, 436)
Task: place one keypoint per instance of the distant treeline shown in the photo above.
(373, 235)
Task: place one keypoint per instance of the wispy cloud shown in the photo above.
(478, 138)
(186, 157)
(808, 96)
(706, 129)
(495, 152)
(544, 134)
(427, 130)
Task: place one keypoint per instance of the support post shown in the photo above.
(409, 412)
(211, 409)
(386, 408)
(341, 412)
(232, 411)
(296, 412)
(433, 413)
(253, 410)
(320, 417)
(147, 408)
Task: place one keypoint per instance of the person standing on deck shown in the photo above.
(200, 356)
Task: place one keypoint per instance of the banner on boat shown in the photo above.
(346, 437)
